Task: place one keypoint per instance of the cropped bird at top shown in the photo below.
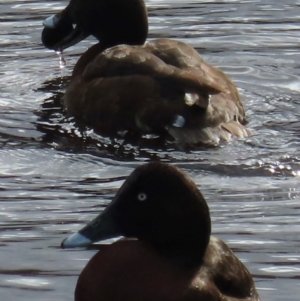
(161, 87)
(167, 254)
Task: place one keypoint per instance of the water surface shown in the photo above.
(55, 177)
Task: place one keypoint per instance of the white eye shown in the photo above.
(142, 196)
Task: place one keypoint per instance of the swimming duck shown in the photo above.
(123, 84)
(169, 254)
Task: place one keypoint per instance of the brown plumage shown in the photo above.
(162, 87)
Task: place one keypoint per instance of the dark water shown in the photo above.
(55, 177)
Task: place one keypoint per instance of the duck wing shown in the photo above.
(127, 60)
(185, 57)
(223, 274)
(225, 114)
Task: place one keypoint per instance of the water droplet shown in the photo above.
(62, 61)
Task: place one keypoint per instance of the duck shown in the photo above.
(165, 250)
(125, 85)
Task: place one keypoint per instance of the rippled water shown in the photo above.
(55, 176)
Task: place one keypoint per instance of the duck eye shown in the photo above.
(142, 196)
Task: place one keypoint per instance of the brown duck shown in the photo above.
(123, 84)
(170, 255)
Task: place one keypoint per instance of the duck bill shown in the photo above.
(73, 38)
(61, 23)
(101, 228)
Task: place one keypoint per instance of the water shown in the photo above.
(56, 176)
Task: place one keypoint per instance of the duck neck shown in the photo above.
(112, 23)
(187, 251)
(185, 256)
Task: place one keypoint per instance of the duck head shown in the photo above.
(112, 22)
(159, 205)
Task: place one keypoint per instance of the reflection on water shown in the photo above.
(56, 175)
